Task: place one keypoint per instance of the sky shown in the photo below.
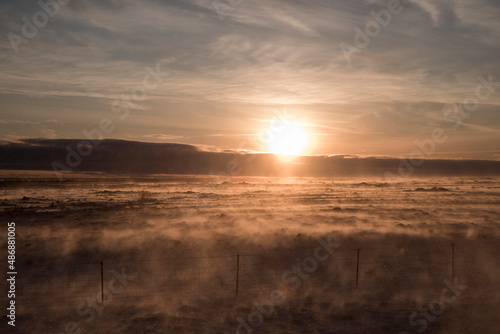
(362, 78)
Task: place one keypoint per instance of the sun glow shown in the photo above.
(288, 140)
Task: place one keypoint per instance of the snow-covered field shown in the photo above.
(187, 254)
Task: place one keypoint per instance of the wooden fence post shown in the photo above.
(453, 261)
(357, 269)
(102, 284)
(237, 273)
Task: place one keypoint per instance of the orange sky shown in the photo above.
(179, 71)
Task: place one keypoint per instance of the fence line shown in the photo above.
(226, 276)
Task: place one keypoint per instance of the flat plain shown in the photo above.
(193, 254)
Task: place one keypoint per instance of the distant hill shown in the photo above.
(132, 157)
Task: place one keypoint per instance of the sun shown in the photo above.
(289, 140)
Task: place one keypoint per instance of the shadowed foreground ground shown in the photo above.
(169, 251)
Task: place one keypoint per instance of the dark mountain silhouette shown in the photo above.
(132, 157)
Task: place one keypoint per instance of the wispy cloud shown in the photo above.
(266, 53)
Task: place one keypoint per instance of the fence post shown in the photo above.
(237, 273)
(453, 261)
(357, 269)
(102, 284)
